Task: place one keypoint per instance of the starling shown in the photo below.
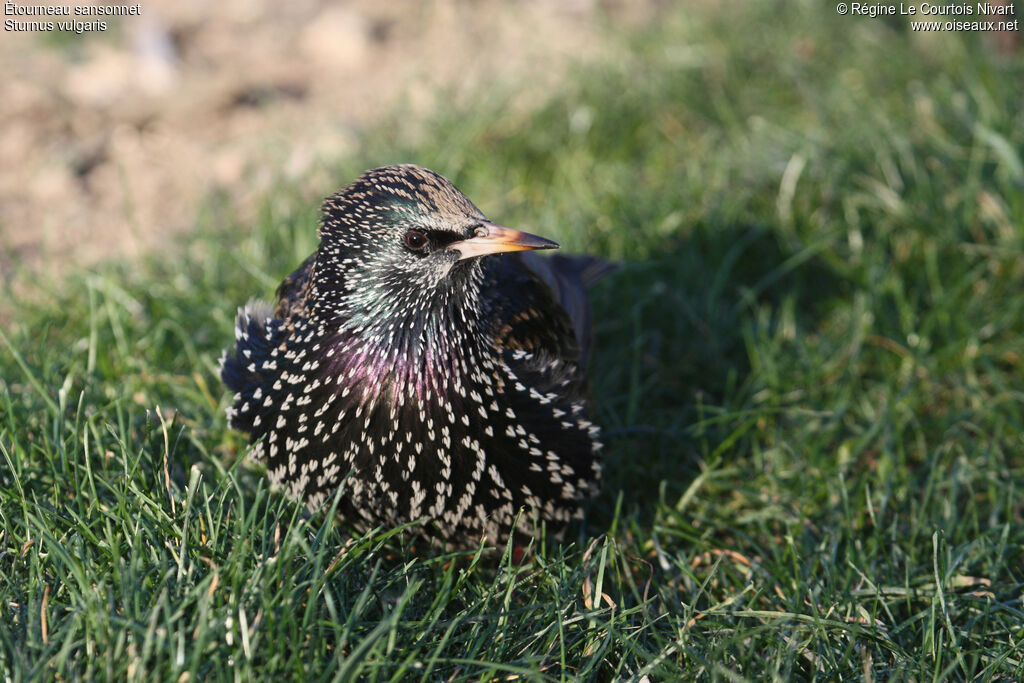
(415, 362)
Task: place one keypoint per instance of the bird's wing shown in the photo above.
(567, 279)
(539, 304)
(293, 293)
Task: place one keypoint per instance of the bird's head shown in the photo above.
(399, 230)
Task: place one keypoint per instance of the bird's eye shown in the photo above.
(415, 240)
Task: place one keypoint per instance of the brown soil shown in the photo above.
(110, 140)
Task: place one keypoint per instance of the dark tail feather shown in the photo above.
(240, 368)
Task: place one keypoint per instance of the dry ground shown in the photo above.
(111, 140)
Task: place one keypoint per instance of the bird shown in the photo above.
(428, 363)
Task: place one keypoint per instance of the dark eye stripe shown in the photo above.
(442, 238)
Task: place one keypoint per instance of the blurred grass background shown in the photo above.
(808, 371)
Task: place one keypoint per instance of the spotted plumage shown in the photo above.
(413, 363)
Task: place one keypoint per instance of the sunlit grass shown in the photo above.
(809, 371)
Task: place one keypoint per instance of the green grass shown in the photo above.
(810, 372)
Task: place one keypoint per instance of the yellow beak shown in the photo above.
(494, 239)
